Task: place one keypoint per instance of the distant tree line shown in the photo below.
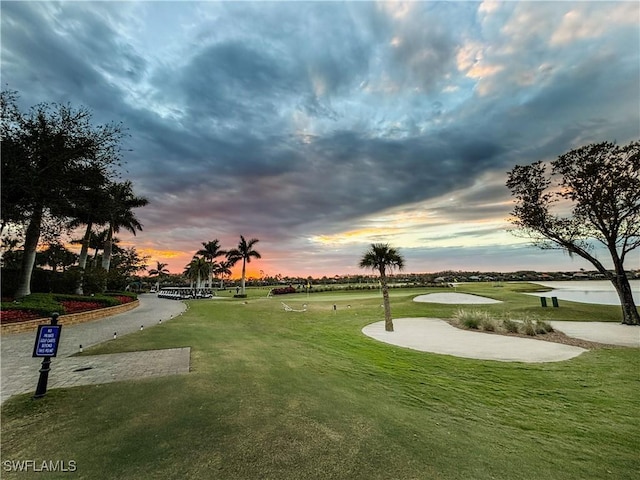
(205, 266)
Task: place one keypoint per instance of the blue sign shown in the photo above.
(47, 341)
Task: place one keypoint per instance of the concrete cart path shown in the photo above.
(19, 371)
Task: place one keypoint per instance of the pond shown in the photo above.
(601, 292)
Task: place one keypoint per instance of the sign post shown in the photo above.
(46, 346)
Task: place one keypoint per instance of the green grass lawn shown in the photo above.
(277, 395)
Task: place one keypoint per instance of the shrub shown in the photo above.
(74, 306)
(543, 327)
(102, 300)
(19, 315)
(94, 280)
(40, 305)
(511, 326)
(528, 327)
(488, 324)
(124, 299)
(473, 319)
(283, 290)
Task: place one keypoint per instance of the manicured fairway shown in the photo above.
(286, 395)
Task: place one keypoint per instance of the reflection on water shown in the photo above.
(600, 292)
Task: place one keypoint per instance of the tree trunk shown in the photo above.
(388, 322)
(82, 261)
(84, 251)
(623, 288)
(32, 237)
(630, 314)
(106, 254)
(244, 264)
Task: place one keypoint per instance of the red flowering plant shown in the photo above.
(15, 316)
(124, 299)
(283, 290)
(71, 306)
(41, 305)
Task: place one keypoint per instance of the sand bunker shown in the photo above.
(437, 336)
(601, 332)
(455, 299)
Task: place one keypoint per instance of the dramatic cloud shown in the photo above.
(319, 127)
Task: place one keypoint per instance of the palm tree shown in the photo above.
(382, 257)
(197, 268)
(90, 210)
(244, 252)
(56, 255)
(160, 271)
(122, 202)
(97, 242)
(223, 269)
(210, 252)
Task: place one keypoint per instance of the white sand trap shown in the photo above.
(455, 299)
(437, 336)
(602, 332)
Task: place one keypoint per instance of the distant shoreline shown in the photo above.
(599, 292)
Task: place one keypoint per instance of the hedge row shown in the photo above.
(39, 305)
(283, 290)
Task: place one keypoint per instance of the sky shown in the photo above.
(322, 127)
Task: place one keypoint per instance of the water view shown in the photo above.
(601, 292)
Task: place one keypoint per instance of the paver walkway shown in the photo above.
(19, 371)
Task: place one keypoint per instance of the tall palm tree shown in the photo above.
(97, 240)
(160, 271)
(197, 268)
(122, 201)
(210, 251)
(383, 258)
(90, 209)
(244, 252)
(223, 269)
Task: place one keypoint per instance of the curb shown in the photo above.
(71, 319)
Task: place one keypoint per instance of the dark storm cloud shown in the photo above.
(59, 52)
(292, 119)
(239, 87)
(234, 83)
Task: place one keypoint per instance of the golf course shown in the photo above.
(304, 394)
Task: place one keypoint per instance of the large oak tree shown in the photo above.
(50, 154)
(590, 195)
